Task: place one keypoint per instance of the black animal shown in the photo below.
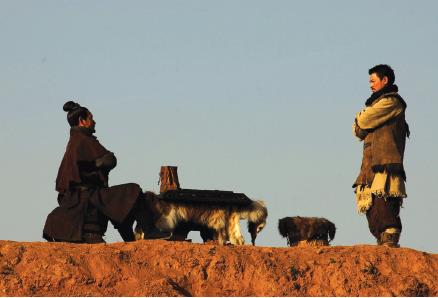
(299, 228)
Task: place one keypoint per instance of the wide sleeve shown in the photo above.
(358, 132)
(89, 150)
(384, 110)
(79, 163)
(95, 163)
(108, 161)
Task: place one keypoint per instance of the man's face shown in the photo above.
(88, 123)
(376, 83)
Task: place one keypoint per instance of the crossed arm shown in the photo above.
(376, 115)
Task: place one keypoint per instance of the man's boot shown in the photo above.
(390, 238)
(92, 238)
(92, 231)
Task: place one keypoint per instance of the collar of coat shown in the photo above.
(384, 90)
(84, 130)
(387, 90)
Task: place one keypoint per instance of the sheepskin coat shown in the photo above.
(385, 139)
(383, 129)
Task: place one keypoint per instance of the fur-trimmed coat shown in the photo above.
(383, 129)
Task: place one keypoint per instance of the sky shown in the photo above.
(252, 96)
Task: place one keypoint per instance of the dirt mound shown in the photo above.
(163, 268)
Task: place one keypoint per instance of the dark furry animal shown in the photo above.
(298, 228)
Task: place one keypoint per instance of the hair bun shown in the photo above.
(70, 106)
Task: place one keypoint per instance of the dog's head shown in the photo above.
(254, 229)
(256, 219)
(331, 230)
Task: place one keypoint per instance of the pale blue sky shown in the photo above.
(250, 96)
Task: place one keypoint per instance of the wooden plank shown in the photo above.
(196, 196)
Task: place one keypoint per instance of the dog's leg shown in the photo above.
(231, 229)
(207, 234)
(165, 224)
(221, 236)
(181, 231)
(234, 231)
(217, 221)
(222, 228)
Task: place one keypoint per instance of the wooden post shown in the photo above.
(169, 178)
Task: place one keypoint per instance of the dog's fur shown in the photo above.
(224, 220)
(181, 232)
(298, 228)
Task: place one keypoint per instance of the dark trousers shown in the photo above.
(384, 214)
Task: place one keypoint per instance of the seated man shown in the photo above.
(86, 202)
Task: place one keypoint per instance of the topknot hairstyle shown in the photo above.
(75, 112)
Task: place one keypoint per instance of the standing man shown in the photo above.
(380, 186)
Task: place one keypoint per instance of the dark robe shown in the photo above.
(82, 184)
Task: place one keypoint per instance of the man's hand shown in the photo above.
(108, 161)
(359, 132)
